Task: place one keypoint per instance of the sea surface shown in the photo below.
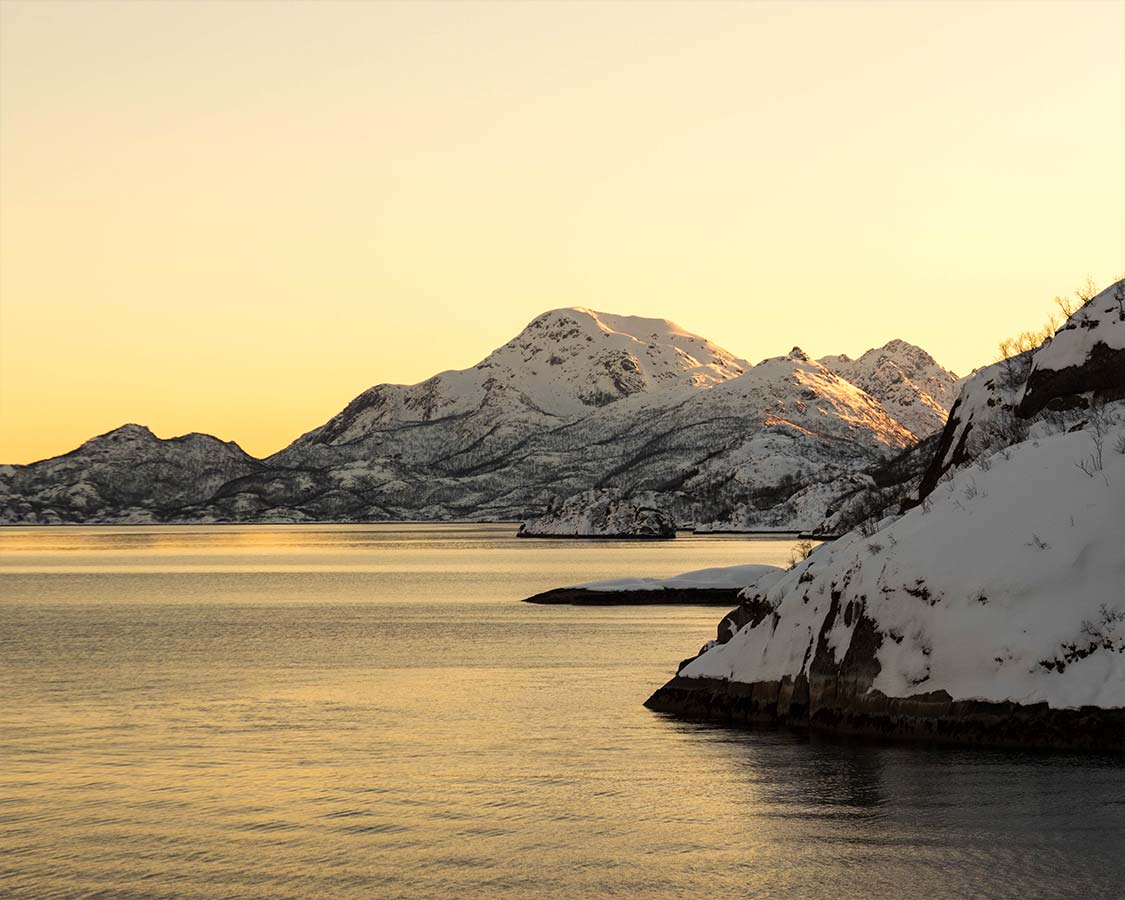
(369, 712)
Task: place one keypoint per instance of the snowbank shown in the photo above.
(736, 577)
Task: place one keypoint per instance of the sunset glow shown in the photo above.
(234, 217)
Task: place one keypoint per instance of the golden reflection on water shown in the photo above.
(382, 732)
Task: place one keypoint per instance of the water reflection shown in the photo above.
(394, 733)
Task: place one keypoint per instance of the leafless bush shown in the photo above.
(1086, 291)
(1011, 348)
(1002, 430)
(800, 553)
(1099, 422)
(874, 547)
(1038, 543)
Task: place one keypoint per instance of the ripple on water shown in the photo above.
(287, 734)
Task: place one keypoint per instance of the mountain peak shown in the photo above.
(909, 383)
(564, 363)
(127, 432)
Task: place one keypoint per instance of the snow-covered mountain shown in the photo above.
(564, 364)
(578, 401)
(126, 475)
(910, 384)
(992, 610)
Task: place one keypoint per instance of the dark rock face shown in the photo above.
(1103, 372)
(934, 717)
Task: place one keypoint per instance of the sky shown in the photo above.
(234, 217)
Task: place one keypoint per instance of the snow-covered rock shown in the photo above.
(1004, 588)
(736, 577)
(997, 405)
(913, 388)
(1086, 354)
(716, 585)
(602, 514)
(991, 612)
(127, 475)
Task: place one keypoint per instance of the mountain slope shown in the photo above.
(128, 474)
(909, 383)
(565, 363)
(761, 434)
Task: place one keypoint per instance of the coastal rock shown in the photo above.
(703, 586)
(989, 613)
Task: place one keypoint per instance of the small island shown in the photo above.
(717, 586)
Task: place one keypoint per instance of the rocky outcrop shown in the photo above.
(1086, 356)
(602, 514)
(1083, 363)
(991, 613)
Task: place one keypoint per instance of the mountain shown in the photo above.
(990, 611)
(126, 475)
(563, 365)
(909, 383)
(579, 401)
(702, 445)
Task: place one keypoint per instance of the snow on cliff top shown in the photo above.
(1101, 320)
(1005, 585)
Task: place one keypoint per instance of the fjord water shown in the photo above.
(366, 712)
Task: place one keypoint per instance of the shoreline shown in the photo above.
(933, 717)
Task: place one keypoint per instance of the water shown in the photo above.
(350, 712)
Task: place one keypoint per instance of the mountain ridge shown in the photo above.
(578, 400)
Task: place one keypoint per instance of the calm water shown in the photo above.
(368, 712)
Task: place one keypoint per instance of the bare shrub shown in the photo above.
(1099, 422)
(800, 552)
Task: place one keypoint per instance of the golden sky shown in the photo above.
(233, 217)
